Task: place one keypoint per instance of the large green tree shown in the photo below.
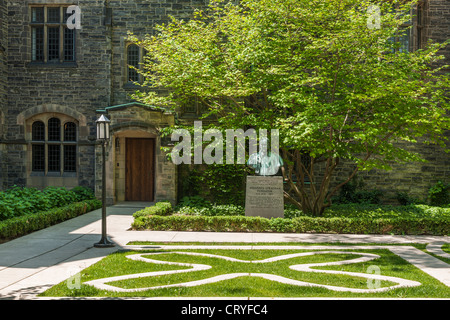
(333, 81)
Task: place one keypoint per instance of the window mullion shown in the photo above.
(45, 145)
(45, 158)
(140, 64)
(61, 159)
(61, 150)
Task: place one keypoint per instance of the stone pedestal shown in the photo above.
(264, 196)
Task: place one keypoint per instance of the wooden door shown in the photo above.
(139, 169)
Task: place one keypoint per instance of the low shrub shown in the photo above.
(83, 193)
(59, 196)
(338, 210)
(18, 201)
(355, 192)
(404, 199)
(387, 211)
(193, 201)
(356, 218)
(439, 194)
(18, 226)
(165, 207)
(223, 210)
(200, 223)
(304, 224)
(160, 208)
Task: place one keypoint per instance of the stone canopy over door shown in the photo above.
(137, 169)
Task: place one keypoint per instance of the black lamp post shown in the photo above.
(103, 136)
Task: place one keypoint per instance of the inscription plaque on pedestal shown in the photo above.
(264, 196)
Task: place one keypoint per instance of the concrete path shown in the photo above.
(33, 263)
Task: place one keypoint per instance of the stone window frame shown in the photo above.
(420, 25)
(2, 123)
(192, 107)
(408, 26)
(46, 26)
(68, 148)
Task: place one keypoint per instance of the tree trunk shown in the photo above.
(311, 197)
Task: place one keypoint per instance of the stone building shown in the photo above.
(56, 81)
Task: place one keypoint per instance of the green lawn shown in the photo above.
(118, 264)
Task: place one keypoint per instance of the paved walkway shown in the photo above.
(33, 263)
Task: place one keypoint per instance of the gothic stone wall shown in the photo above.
(414, 178)
(97, 79)
(437, 24)
(82, 87)
(139, 17)
(3, 80)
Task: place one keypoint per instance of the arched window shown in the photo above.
(70, 150)
(54, 146)
(54, 150)
(54, 129)
(133, 59)
(38, 149)
(70, 131)
(38, 131)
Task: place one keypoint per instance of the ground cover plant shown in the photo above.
(117, 264)
(199, 206)
(18, 201)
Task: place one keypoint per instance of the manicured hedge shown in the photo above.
(304, 224)
(161, 208)
(24, 224)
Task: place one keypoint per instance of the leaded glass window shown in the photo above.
(51, 39)
(70, 156)
(38, 157)
(38, 131)
(54, 146)
(53, 44)
(54, 129)
(133, 62)
(54, 157)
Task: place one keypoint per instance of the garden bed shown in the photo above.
(19, 226)
(345, 219)
(24, 210)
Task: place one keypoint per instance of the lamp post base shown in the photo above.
(104, 243)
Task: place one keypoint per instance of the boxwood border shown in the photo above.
(341, 225)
